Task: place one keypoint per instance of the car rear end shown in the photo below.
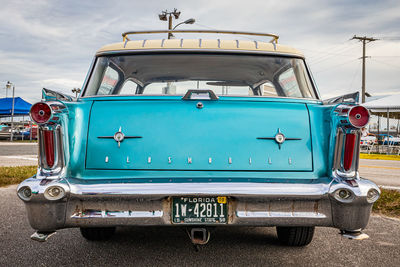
(172, 135)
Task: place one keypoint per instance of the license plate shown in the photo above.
(199, 210)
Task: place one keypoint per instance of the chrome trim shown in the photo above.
(48, 94)
(82, 214)
(87, 203)
(264, 190)
(278, 214)
(58, 169)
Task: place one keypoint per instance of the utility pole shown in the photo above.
(364, 41)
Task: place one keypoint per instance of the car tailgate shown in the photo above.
(173, 134)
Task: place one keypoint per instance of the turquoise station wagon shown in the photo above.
(198, 133)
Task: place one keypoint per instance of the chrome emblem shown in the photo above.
(279, 138)
(119, 136)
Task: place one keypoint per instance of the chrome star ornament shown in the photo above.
(119, 136)
(280, 138)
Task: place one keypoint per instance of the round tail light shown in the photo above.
(358, 116)
(40, 113)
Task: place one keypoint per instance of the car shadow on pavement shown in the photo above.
(254, 236)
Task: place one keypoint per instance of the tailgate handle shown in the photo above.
(193, 94)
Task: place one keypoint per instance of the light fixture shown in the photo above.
(176, 13)
(189, 21)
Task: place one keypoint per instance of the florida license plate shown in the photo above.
(199, 210)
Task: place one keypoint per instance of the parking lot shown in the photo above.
(150, 246)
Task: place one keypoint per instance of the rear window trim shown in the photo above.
(197, 51)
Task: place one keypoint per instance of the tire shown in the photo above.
(98, 234)
(295, 236)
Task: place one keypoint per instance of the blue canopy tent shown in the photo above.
(21, 107)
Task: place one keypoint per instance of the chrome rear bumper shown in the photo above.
(93, 204)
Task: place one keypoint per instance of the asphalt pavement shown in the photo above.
(18, 154)
(382, 172)
(170, 246)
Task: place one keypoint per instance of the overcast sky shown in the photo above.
(50, 44)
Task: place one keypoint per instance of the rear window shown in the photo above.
(175, 74)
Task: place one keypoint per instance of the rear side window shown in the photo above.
(109, 81)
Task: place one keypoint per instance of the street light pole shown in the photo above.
(170, 26)
(167, 16)
(8, 85)
(76, 91)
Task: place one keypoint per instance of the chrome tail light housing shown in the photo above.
(50, 136)
(347, 120)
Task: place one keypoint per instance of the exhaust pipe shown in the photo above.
(41, 236)
(199, 236)
(354, 235)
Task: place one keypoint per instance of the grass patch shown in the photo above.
(379, 156)
(388, 204)
(15, 175)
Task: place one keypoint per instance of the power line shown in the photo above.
(387, 64)
(355, 75)
(334, 66)
(325, 57)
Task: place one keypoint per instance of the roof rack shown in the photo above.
(274, 36)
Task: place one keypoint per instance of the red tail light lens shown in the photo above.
(349, 151)
(358, 116)
(49, 147)
(40, 113)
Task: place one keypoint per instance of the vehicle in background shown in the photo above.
(5, 132)
(393, 141)
(370, 139)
